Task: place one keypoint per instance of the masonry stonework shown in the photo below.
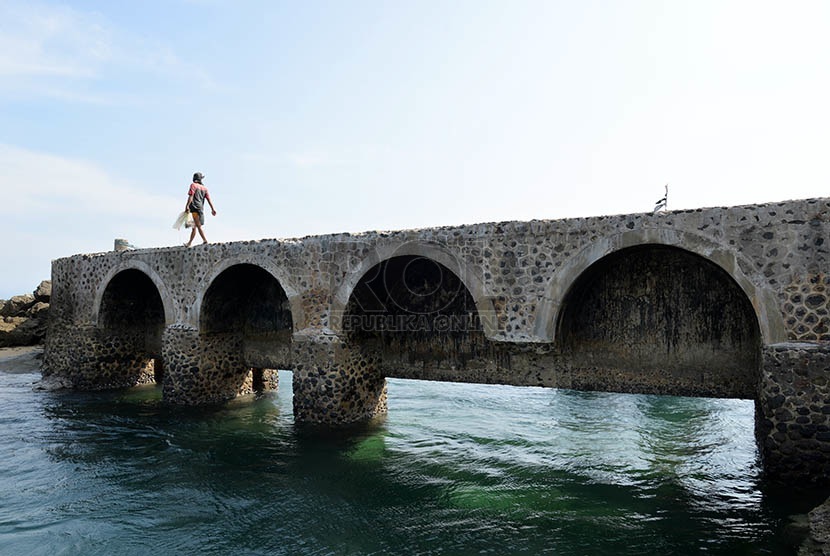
(697, 302)
(793, 413)
(93, 359)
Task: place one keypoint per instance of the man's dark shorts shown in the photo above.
(198, 213)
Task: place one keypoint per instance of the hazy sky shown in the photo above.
(317, 117)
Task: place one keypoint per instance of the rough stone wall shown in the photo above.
(522, 258)
(806, 307)
(817, 542)
(518, 273)
(335, 383)
(202, 369)
(777, 248)
(793, 411)
(88, 358)
(512, 269)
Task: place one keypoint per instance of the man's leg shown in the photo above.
(195, 216)
(198, 222)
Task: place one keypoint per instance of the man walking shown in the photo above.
(196, 196)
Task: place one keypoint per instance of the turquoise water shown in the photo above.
(453, 469)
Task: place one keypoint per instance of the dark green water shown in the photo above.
(453, 469)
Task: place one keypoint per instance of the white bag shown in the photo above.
(181, 219)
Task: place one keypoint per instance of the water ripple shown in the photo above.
(454, 469)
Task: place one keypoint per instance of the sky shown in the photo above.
(311, 117)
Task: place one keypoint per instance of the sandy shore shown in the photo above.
(24, 359)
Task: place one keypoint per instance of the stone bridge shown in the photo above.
(720, 302)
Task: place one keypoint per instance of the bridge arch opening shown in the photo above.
(245, 318)
(248, 299)
(416, 316)
(660, 319)
(131, 318)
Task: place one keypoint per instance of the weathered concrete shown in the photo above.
(699, 302)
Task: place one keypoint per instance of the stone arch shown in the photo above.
(763, 301)
(411, 316)
(282, 278)
(239, 332)
(243, 298)
(469, 277)
(663, 317)
(167, 301)
(246, 321)
(129, 318)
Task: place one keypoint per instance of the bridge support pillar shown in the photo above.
(334, 383)
(793, 413)
(85, 357)
(201, 369)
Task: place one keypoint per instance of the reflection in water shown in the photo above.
(453, 469)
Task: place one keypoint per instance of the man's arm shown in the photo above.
(212, 210)
(189, 200)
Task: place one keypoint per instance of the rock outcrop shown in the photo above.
(818, 542)
(23, 318)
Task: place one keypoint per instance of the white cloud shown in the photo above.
(58, 52)
(49, 184)
(36, 40)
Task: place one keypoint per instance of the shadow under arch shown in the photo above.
(764, 303)
(245, 311)
(129, 318)
(410, 316)
(472, 282)
(169, 306)
(661, 316)
(277, 273)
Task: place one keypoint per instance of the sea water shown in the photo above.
(453, 469)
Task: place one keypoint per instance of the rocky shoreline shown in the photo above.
(23, 318)
(21, 359)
